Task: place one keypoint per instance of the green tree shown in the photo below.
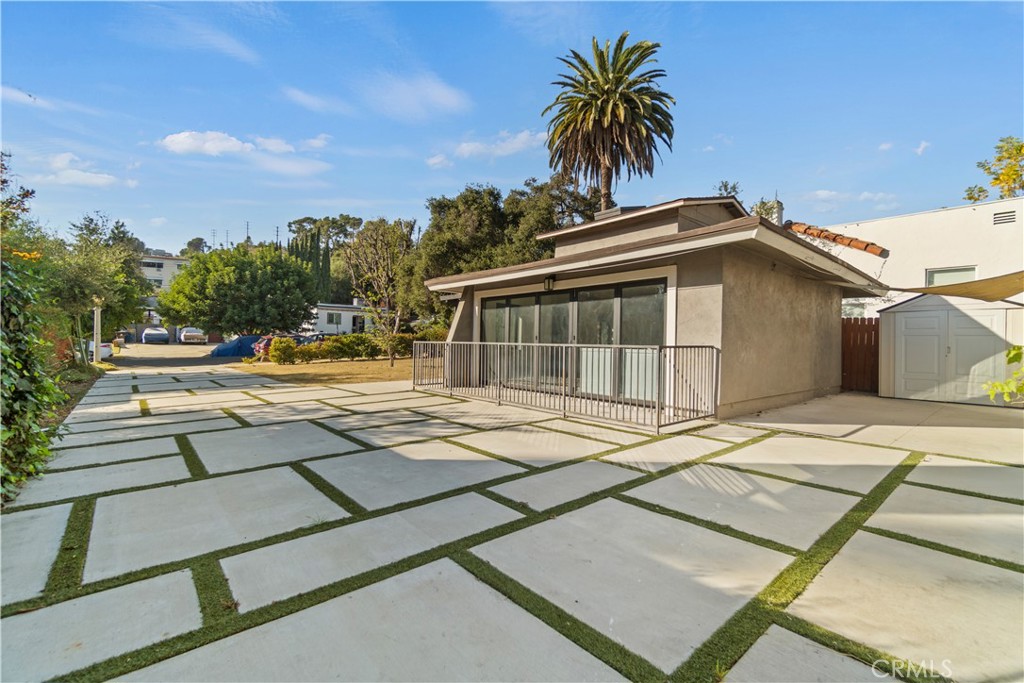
(375, 256)
(242, 290)
(610, 114)
(727, 189)
(196, 245)
(334, 230)
(1005, 172)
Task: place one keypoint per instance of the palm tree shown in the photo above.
(608, 115)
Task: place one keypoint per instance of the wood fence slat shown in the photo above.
(860, 354)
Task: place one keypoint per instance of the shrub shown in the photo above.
(365, 346)
(433, 332)
(282, 350)
(307, 353)
(335, 348)
(29, 394)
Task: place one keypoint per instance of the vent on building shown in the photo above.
(1004, 217)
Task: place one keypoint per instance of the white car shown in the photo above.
(192, 335)
(106, 350)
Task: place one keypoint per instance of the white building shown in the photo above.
(160, 268)
(938, 247)
(340, 318)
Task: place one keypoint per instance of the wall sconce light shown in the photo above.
(549, 283)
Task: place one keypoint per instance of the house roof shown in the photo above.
(845, 240)
(751, 232)
(731, 204)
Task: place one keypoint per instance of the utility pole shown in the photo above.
(247, 231)
(277, 235)
(213, 238)
(227, 238)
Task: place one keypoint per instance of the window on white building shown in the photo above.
(949, 276)
(358, 323)
(334, 318)
(156, 281)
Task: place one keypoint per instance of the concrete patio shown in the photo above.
(204, 524)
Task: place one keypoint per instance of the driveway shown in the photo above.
(200, 523)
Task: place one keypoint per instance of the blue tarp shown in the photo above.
(240, 346)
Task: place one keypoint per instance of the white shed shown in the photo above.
(340, 318)
(941, 348)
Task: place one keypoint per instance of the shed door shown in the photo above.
(921, 355)
(949, 355)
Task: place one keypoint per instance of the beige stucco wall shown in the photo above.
(699, 299)
(781, 335)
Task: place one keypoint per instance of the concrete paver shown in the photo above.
(436, 622)
(922, 605)
(978, 525)
(132, 433)
(29, 543)
(145, 421)
(422, 401)
(145, 528)
(548, 489)
(269, 574)
(780, 656)
(303, 394)
(592, 431)
(533, 445)
(347, 423)
(268, 414)
(257, 446)
(74, 634)
(375, 387)
(853, 467)
(657, 585)
(732, 433)
(662, 454)
(789, 513)
(103, 412)
(85, 482)
(395, 434)
(187, 384)
(485, 415)
(108, 453)
(199, 401)
(970, 475)
(355, 399)
(377, 479)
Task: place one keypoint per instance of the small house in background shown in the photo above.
(653, 315)
(340, 318)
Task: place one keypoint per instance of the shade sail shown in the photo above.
(989, 289)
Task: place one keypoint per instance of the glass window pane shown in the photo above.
(492, 325)
(521, 320)
(643, 314)
(595, 317)
(554, 318)
(949, 276)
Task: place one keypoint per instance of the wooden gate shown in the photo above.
(860, 354)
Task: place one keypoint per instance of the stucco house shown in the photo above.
(653, 315)
(340, 318)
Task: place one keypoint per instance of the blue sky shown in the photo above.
(183, 118)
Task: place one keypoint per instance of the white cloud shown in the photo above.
(876, 197)
(319, 142)
(412, 98)
(273, 145)
(723, 138)
(197, 35)
(15, 96)
(210, 143)
(158, 221)
(321, 105)
(438, 161)
(68, 169)
(885, 147)
(709, 148)
(292, 166)
(919, 150)
(131, 183)
(507, 144)
(64, 160)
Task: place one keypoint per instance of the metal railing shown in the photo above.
(646, 386)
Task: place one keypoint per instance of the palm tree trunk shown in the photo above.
(606, 187)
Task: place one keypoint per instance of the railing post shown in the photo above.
(659, 371)
(500, 364)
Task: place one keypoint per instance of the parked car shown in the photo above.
(156, 335)
(192, 335)
(106, 350)
(318, 337)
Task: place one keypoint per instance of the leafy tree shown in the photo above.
(1012, 389)
(1005, 172)
(196, 245)
(609, 114)
(242, 290)
(13, 200)
(333, 229)
(727, 189)
(311, 250)
(375, 257)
